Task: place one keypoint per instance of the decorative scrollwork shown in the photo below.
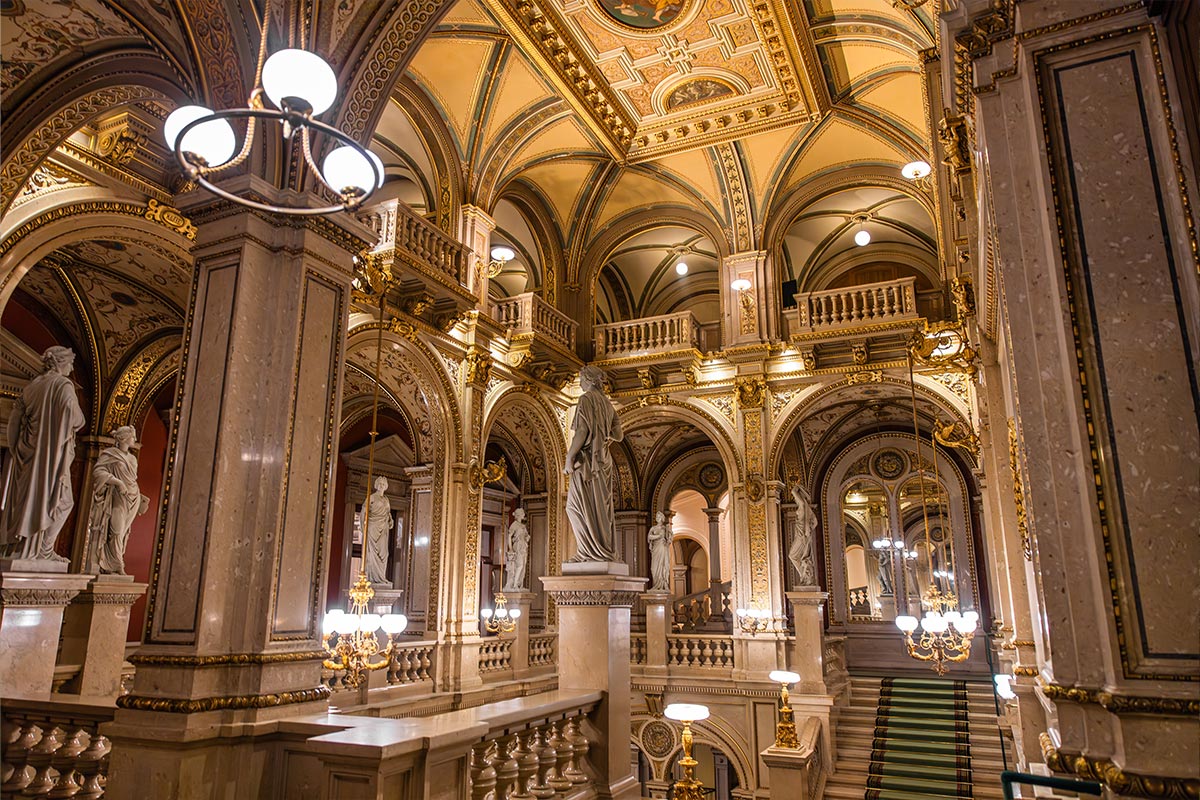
(490, 472)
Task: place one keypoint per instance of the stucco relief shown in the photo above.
(36, 37)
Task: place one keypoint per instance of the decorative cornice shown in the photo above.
(1120, 782)
(36, 598)
(1120, 703)
(224, 659)
(108, 598)
(594, 597)
(174, 705)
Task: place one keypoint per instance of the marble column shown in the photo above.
(749, 315)
(235, 608)
(95, 627)
(659, 617)
(714, 545)
(31, 617)
(593, 653)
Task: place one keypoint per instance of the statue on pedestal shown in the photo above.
(590, 467)
(801, 551)
(379, 525)
(116, 500)
(516, 556)
(41, 438)
(659, 538)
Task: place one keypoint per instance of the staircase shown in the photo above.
(915, 738)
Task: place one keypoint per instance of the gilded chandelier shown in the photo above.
(301, 85)
(350, 638)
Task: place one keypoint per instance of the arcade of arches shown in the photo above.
(843, 387)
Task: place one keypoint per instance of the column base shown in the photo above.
(31, 617)
(33, 565)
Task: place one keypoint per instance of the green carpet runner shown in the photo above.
(922, 746)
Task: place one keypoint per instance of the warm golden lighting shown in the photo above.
(349, 638)
(687, 787)
(785, 729)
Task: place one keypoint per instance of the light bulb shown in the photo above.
(971, 615)
(486, 613)
(394, 623)
(915, 170)
(681, 268)
(330, 623)
(347, 171)
(515, 613)
(965, 625)
(740, 285)
(347, 624)
(686, 712)
(1004, 686)
(213, 141)
(301, 75)
(501, 613)
(503, 254)
(370, 623)
(783, 676)
(862, 238)
(906, 623)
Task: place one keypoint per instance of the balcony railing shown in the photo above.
(495, 655)
(528, 313)
(700, 652)
(53, 748)
(647, 336)
(855, 306)
(543, 650)
(706, 611)
(419, 240)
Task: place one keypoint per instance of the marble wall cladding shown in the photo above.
(183, 555)
(421, 522)
(308, 468)
(1137, 336)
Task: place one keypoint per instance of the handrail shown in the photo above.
(659, 334)
(1008, 778)
(864, 304)
(529, 313)
(402, 229)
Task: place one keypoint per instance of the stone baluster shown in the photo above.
(562, 757)
(92, 765)
(483, 774)
(16, 756)
(65, 761)
(526, 756)
(547, 754)
(39, 758)
(505, 765)
(578, 747)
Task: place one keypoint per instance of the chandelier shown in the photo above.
(754, 620)
(687, 787)
(350, 638)
(946, 633)
(301, 85)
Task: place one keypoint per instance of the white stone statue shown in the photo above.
(885, 573)
(116, 500)
(41, 438)
(659, 538)
(590, 467)
(379, 526)
(801, 551)
(516, 555)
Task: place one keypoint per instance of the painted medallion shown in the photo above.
(645, 14)
(700, 90)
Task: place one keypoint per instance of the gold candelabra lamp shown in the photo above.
(755, 619)
(500, 619)
(687, 787)
(946, 634)
(785, 729)
(350, 638)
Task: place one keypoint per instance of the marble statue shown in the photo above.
(516, 556)
(41, 439)
(885, 572)
(116, 500)
(379, 525)
(801, 551)
(659, 539)
(590, 467)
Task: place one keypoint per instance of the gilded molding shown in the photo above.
(751, 392)
(170, 217)
(224, 659)
(108, 598)
(174, 705)
(1014, 463)
(1120, 782)
(1120, 703)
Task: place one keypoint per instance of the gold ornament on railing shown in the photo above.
(350, 638)
(687, 787)
(785, 729)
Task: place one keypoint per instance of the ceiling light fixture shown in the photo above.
(862, 238)
(681, 268)
(301, 85)
(915, 170)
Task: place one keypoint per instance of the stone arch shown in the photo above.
(719, 433)
(668, 482)
(714, 732)
(439, 144)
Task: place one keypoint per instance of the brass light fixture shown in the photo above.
(302, 86)
(501, 255)
(785, 729)
(754, 620)
(946, 633)
(687, 787)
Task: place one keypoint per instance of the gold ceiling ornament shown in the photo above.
(962, 290)
(687, 787)
(946, 633)
(785, 729)
(944, 345)
(170, 217)
(489, 472)
(751, 391)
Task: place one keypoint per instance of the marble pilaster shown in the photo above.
(94, 631)
(658, 624)
(808, 650)
(31, 617)
(593, 653)
(522, 601)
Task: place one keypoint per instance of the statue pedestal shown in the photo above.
(94, 632)
(593, 653)
(33, 565)
(387, 600)
(595, 568)
(31, 616)
(520, 635)
(658, 625)
(809, 647)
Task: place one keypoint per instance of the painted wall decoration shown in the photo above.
(646, 14)
(700, 90)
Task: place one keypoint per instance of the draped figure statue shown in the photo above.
(801, 551)
(659, 538)
(590, 468)
(41, 439)
(516, 557)
(379, 525)
(116, 500)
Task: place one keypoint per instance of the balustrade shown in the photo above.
(419, 240)
(412, 663)
(529, 313)
(637, 649)
(648, 335)
(703, 652)
(53, 748)
(543, 650)
(495, 654)
(855, 306)
(704, 611)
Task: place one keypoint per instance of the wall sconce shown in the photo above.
(501, 255)
(753, 620)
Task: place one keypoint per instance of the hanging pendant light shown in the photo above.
(301, 85)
